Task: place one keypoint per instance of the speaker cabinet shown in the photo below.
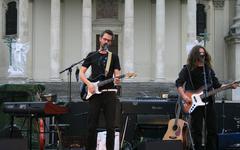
(165, 145)
(13, 144)
(76, 132)
(228, 116)
(229, 141)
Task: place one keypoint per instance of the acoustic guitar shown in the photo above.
(176, 128)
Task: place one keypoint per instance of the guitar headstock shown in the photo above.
(130, 75)
(236, 83)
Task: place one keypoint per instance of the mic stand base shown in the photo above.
(223, 116)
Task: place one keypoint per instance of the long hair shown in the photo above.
(194, 56)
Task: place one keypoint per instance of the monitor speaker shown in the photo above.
(13, 144)
(229, 141)
(76, 131)
(156, 145)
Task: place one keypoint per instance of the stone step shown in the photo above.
(128, 89)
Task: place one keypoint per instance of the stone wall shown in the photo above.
(128, 90)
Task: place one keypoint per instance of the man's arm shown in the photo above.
(183, 95)
(84, 79)
(117, 73)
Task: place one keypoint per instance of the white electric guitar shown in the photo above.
(86, 94)
(197, 97)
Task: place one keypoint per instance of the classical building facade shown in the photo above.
(40, 38)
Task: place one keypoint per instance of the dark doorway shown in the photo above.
(11, 19)
(201, 19)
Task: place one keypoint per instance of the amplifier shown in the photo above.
(156, 145)
(229, 141)
(228, 115)
(153, 119)
(13, 144)
(146, 118)
(158, 106)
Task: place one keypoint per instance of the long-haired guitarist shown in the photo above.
(107, 100)
(191, 78)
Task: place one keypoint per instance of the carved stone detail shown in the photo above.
(218, 3)
(106, 9)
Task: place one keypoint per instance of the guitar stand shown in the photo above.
(124, 132)
(189, 133)
(59, 129)
(29, 130)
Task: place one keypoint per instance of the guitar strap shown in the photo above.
(210, 77)
(108, 63)
(209, 74)
(189, 74)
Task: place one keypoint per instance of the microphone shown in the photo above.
(202, 56)
(105, 47)
(77, 74)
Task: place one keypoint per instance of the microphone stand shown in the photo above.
(69, 69)
(205, 92)
(223, 116)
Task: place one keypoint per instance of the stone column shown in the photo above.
(235, 28)
(23, 21)
(160, 40)
(24, 32)
(86, 28)
(30, 40)
(18, 68)
(234, 43)
(1, 18)
(4, 55)
(191, 24)
(128, 36)
(1, 21)
(55, 40)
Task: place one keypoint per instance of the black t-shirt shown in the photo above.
(98, 62)
(197, 77)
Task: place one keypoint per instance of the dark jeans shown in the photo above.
(107, 102)
(197, 117)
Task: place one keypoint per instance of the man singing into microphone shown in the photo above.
(191, 78)
(104, 65)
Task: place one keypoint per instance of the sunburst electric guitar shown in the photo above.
(198, 95)
(176, 128)
(86, 94)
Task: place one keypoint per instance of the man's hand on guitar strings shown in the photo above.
(91, 88)
(117, 81)
(186, 99)
(235, 85)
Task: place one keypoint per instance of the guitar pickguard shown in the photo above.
(196, 101)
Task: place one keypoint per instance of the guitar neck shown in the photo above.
(213, 92)
(102, 83)
(178, 113)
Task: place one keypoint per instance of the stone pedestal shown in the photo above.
(233, 41)
(236, 95)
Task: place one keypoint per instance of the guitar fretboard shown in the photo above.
(102, 83)
(210, 93)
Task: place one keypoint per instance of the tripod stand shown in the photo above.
(69, 69)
